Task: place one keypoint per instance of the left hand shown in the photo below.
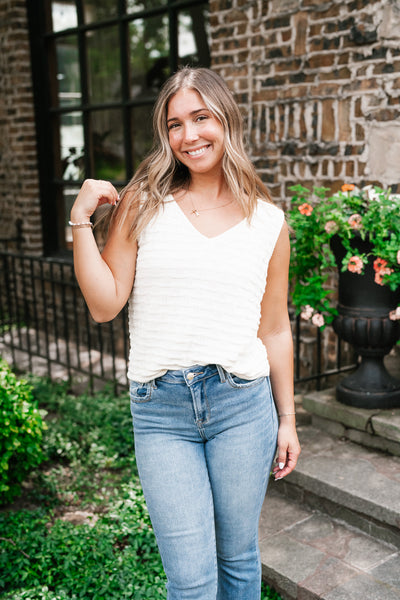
(288, 450)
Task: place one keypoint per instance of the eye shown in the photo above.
(201, 117)
(173, 126)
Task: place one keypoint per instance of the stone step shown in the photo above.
(357, 485)
(308, 555)
(374, 428)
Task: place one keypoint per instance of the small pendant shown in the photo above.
(195, 212)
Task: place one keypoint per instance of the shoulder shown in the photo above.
(269, 214)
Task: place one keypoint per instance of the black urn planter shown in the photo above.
(363, 321)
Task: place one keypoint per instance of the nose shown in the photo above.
(190, 132)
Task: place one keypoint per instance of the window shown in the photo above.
(97, 68)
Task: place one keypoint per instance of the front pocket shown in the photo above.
(238, 382)
(140, 392)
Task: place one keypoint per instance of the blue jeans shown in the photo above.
(205, 441)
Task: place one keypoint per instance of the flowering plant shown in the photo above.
(315, 217)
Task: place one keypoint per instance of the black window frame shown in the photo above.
(42, 41)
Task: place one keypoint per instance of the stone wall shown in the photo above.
(319, 85)
(19, 182)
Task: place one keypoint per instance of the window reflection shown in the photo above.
(64, 15)
(132, 6)
(193, 36)
(107, 145)
(141, 133)
(149, 49)
(72, 146)
(69, 194)
(104, 65)
(68, 73)
(99, 11)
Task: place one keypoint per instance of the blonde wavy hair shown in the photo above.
(161, 173)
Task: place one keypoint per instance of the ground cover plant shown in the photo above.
(80, 528)
(21, 430)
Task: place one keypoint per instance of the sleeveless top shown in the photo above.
(197, 300)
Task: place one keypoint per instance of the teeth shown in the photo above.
(197, 152)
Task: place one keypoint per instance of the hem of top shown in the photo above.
(158, 374)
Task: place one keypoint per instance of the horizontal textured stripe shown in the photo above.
(197, 300)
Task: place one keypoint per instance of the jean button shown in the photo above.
(190, 376)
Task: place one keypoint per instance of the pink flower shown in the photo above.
(306, 209)
(318, 320)
(355, 265)
(398, 257)
(394, 315)
(331, 226)
(355, 221)
(379, 275)
(307, 312)
(379, 263)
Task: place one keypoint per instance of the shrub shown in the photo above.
(114, 559)
(21, 429)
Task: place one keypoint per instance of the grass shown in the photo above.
(81, 527)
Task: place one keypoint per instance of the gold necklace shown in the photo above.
(197, 212)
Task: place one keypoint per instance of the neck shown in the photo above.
(212, 186)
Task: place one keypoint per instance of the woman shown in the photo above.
(203, 254)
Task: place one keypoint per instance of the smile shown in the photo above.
(197, 152)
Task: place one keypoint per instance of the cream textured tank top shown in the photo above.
(197, 300)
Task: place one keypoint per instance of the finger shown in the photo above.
(106, 192)
(287, 468)
(282, 458)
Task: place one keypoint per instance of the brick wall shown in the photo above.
(318, 82)
(319, 85)
(19, 185)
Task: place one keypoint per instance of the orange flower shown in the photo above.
(306, 209)
(355, 221)
(379, 264)
(355, 265)
(379, 275)
(348, 187)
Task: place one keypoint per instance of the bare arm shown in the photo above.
(276, 334)
(105, 279)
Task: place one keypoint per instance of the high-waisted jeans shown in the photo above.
(205, 441)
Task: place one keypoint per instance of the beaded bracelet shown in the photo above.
(286, 414)
(79, 225)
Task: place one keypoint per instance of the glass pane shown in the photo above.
(104, 65)
(142, 136)
(194, 36)
(72, 146)
(64, 15)
(149, 49)
(132, 6)
(69, 195)
(107, 145)
(93, 10)
(68, 73)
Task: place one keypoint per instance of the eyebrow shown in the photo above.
(194, 112)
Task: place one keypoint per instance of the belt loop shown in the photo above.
(153, 384)
(221, 373)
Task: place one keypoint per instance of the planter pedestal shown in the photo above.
(364, 322)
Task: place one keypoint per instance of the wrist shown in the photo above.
(78, 216)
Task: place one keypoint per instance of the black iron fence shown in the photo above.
(45, 327)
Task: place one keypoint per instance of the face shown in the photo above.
(196, 137)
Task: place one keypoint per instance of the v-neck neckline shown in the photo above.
(171, 200)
